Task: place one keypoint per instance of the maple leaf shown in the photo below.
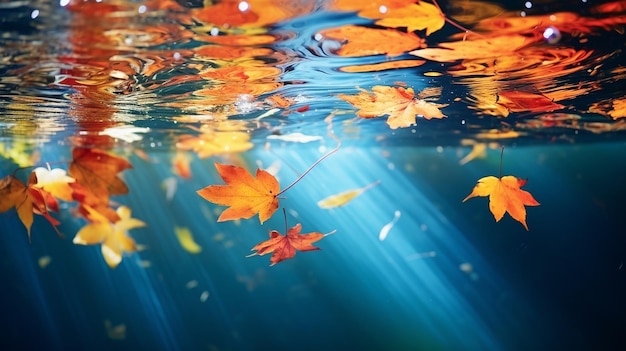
(397, 102)
(112, 236)
(26, 199)
(96, 175)
(283, 247)
(55, 181)
(505, 195)
(245, 194)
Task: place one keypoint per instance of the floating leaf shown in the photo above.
(397, 102)
(283, 247)
(245, 194)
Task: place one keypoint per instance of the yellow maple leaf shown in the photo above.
(112, 236)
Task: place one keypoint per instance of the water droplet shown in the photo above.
(243, 6)
(34, 14)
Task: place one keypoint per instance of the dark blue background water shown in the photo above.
(558, 286)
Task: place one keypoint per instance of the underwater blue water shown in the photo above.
(560, 285)
(446, 277)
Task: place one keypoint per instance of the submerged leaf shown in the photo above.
(112, 236)
(283, 247)
(185, 238)
(344, 197)
(245, 194)
(505, 195)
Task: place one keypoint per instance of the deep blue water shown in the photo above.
(558, 286)
(447, 276)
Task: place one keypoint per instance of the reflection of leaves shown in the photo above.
(474, 49)
(245, 194)
(283, 247)
(382, 66)
(222, 139)
(505, 195)
(363, 41)
(418, 16)
(397, 102)
(616, 108)
(520, 101)
(259, 13)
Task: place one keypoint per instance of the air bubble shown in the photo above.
(552, 35)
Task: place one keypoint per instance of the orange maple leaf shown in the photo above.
(397, 102)
(245, 194)
(284, 247)
(98, 170)
(505, 195)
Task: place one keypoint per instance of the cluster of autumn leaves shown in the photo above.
(93, 177)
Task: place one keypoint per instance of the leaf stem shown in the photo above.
(285, 216)
(501, 154)
(332, 135)
(445, 18)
